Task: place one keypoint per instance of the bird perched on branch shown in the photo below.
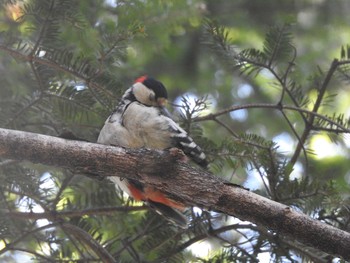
(141, 121)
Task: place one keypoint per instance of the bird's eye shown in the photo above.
(152, 97)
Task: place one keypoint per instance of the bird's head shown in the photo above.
(150, 91)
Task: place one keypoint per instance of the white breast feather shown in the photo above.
(147, 128)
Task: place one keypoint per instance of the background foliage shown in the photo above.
(64, 64)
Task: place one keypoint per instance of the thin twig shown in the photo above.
(22, 110)
(313, 113)
(212, 116)
(42, 30)
(226, 127)
(10, 246)
(54, 215)
(296, 135)
(211, 233)
(64, 185)
(34, 253)
(88, 240)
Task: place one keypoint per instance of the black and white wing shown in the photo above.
(181, 140)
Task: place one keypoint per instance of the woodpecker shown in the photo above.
(141, 120)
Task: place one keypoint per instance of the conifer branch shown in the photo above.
(210, 233)
(213, 116)
(313, 114)
(54, 65)
(21, 238)
(89, 241)
(34, 253)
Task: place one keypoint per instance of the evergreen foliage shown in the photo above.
(64, 65)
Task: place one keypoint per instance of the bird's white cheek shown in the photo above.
(143, 94)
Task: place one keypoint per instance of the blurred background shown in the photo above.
(64, 65)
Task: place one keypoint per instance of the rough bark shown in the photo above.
(166, 171)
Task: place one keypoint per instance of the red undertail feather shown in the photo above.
(152, 194)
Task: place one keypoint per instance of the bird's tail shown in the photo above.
(171, 214)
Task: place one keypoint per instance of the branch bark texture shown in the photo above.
(190, 185)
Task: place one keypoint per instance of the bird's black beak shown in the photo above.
(162, 102)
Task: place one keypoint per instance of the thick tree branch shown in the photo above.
(165, 171)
